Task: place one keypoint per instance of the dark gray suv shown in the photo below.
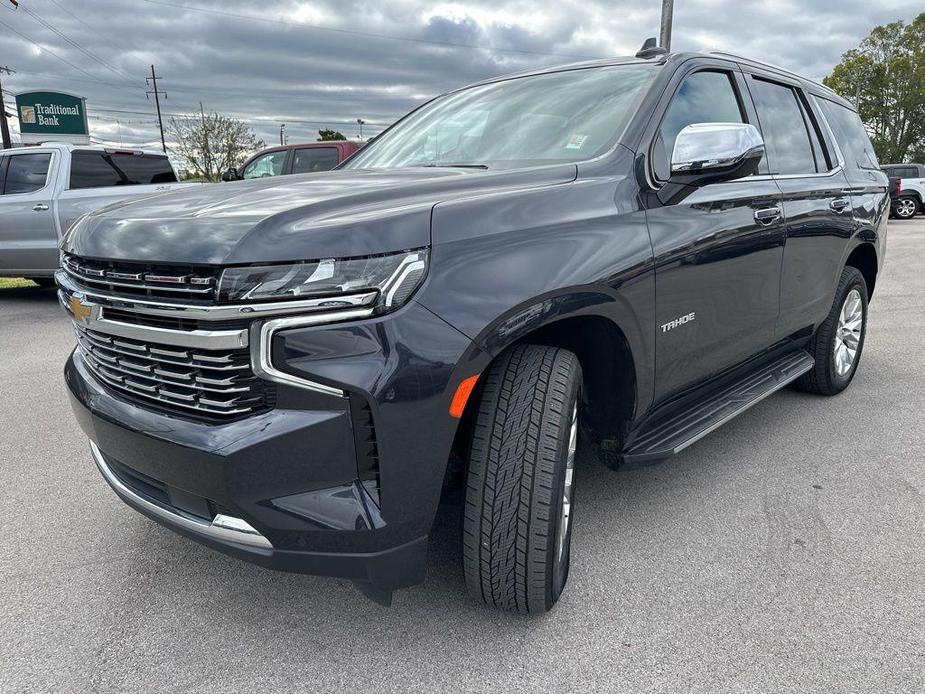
(611, 258)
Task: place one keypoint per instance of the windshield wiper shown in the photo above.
(450, 165)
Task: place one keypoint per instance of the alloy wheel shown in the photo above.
(848, 333)
(905, 208)
(565, 517)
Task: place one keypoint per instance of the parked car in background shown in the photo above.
(309, 157)
(910, 198)
(612, 258)
(44, 189)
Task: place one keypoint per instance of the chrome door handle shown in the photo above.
(41, 207)
(768, 215)
(840, 204)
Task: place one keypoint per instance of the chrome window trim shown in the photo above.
(222, 528)
(262, 356)
(214, 312)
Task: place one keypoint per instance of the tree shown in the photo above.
(328, 135)
(212, 143)
(885, 77)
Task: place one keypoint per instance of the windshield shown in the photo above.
(555, 117)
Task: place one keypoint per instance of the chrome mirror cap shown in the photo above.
(703, 147)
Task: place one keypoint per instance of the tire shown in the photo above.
(906, 207)
(44, 282)
(829, 375)
(516, 527)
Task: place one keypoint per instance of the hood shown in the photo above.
(335, 214)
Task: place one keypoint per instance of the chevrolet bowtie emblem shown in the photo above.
(79, 309)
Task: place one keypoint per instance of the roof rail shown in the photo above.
(778, 68)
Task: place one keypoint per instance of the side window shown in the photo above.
(270, 164)
(850, 134)
(704, 97)
(26, 173)
(311, 159)
(786, 136)
(94, 169)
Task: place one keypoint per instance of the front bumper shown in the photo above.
(284, 488)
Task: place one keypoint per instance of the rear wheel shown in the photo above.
(839, 341)
(517, 527)
(906, 207)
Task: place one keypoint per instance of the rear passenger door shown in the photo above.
(816, 200)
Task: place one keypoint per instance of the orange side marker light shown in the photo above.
(463, 391)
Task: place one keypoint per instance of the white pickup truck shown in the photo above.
(44, 189)
(910, 200)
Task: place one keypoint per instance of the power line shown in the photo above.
(89, 26)
(74, 43)
(366, 34)
(51, 52)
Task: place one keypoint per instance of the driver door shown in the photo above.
(718, 251)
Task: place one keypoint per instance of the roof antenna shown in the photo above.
(650, 49)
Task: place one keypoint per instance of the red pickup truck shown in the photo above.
(307, 157)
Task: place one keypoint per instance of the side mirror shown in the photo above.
(231, 175)
(707, 153)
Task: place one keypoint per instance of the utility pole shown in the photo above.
(665, 34)
(4, 126)
(157, 101)
(282, 134)
(361, 123)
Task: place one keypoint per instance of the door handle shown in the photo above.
(768, 215)
(840, 204)
(41, 207)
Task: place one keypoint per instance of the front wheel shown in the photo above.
(517, 527)
(906, 208)
(839, 341)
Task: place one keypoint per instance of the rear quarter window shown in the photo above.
(105, 169)
(850, 135)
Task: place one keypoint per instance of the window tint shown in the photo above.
(850, 134)
(704, 97)
(786, 137)
(902, 171)
(26, 173)
(270, 164)
(102, 169)
(309, 159)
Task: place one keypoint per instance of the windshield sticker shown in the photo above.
(576, 141)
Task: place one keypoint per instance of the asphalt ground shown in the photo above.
(785, 553)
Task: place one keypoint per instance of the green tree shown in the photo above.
(212, 143)
(885, 77)
(328, 135)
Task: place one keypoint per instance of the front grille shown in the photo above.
(175, 282)
(215, 383)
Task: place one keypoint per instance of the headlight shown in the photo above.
(396, 276)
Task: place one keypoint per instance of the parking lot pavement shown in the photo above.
(785, 552)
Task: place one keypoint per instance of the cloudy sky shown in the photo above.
(325, 63)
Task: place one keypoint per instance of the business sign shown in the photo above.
(52, 117)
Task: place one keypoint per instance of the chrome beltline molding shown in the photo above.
(222, 528)
(262, 357)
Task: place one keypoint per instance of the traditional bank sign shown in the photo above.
(52, 116)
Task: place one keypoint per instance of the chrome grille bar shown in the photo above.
(220, 384)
